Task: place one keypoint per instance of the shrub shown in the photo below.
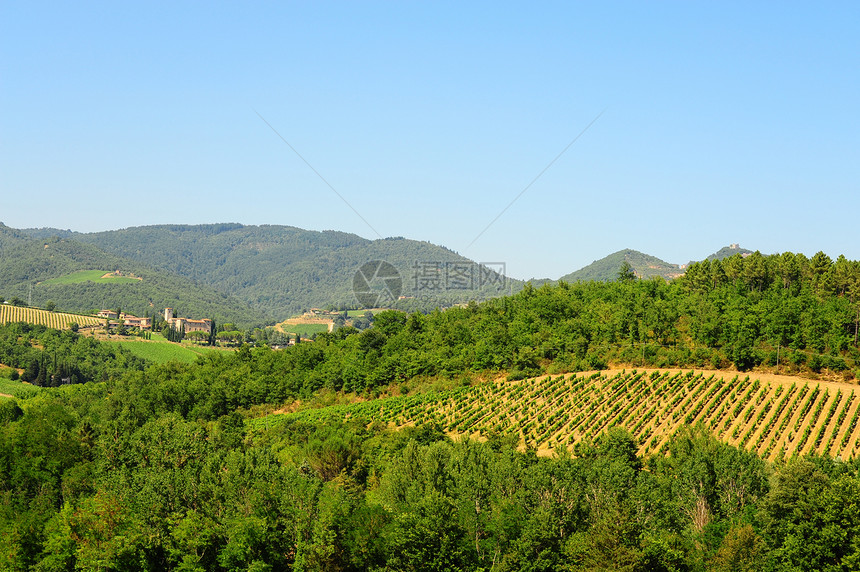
(596, 362)
(743, 357)
(816, 363)
(716, 360)
(836, 363)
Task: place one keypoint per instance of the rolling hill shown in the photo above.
(775, 416)
(281, 270)
(644, 265)
(728, 251)
(606, 269)
(45, 269)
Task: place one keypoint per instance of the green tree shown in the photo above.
(213, 332)
(626, 272)
(742, 550)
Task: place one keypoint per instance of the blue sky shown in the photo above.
(722, 122)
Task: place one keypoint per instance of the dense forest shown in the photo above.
(282, 270)
(176, 466)
(95, 478)
(26, 263)
(742, 313)
(50, 358)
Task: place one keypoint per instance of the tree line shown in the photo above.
(801, 322)
(88, 482)
(162, 467)
(52, 357)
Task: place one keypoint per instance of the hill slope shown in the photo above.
(776, 416)
(282, 270)
(27, 263)
(606, 269)
(728, 251)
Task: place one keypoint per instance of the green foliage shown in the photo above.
(100, 484)
(27, 263)
(306, 330)
(17, 389)
(635, 264)
(97, 276)
(9, 411)
(54, 357)
(278, 270)
(162, 351)
(157, 468)
(626, 272)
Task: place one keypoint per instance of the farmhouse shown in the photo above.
(127, 319)
(135, 322)
(188, 324)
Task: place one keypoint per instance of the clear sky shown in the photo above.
(722, 122)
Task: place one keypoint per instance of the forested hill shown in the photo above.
(162, 469)
(643, 265)
(11, 237)
(728, 251)
(26, 264)
(282, 270)
(606, 269)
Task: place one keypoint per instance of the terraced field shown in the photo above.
(776, 418)
(58, 320)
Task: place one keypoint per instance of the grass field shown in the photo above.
(306, 330)
(98, 276)
(161, 351)
(308, 325)
(58, 320)
(775, 416)
(360, 313)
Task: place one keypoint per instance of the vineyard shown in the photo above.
(775, 418)
(58, 320)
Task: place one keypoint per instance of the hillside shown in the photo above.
(776, 416)
(606, 269)
(56, 320)
(644, 265)
(183, 466)
(281, 270)
(728, 251)
(11, 237)
(28, 266)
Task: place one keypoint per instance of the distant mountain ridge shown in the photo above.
(281, 270)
